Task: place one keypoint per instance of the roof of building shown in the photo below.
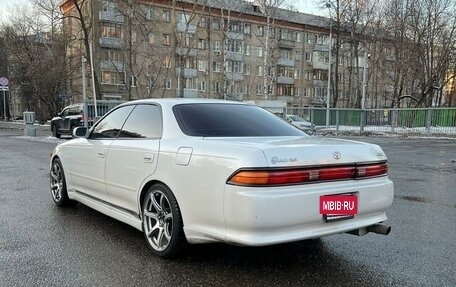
(245, 7)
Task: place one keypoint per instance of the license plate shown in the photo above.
(338, 207)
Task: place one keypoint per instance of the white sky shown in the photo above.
(306, 6)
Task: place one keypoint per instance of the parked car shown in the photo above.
(72, 116)
(193, 171)
(300, 123)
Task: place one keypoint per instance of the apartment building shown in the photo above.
(207, 49)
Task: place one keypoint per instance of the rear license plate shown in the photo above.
(338, 207)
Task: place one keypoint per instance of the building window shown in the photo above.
(202, 65)
(247, 69)
(299, 37)
(260, 31)
(217, 46)
(308, 75)
(168, 84)
(166, 16)
(189, 83)
(247, 49)
(133, 81)
(260, 51)
(166, 40)
(309, 38)
(202, 86)
(202, 44)
(307, 92)
(167, 62)
(259, 89)
(113, 78)
(234, 67)
(112, 55)
(111, 30)
(260, 71)
(247, 29)
(216, 24)
(202, 22)
(286, 34)
(323, 56)
(187, 40)
(285, 71)
(297, 55)
(321, 75)
(297, 74)
(234, 46)
(216, 66)
(216, 87)
(308, 57)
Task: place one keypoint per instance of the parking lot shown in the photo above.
(43, 245)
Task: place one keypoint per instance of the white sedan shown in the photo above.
(202, 171)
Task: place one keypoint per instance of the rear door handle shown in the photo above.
(100, 154)
(148, 158)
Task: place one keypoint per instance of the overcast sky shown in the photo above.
(306, 6)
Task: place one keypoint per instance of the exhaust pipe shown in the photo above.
(379, 229)
(376, 228)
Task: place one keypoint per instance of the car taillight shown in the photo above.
(274, 177)
(371, 170)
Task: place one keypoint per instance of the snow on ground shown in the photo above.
(47, 139)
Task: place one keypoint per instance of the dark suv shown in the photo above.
(73, 116)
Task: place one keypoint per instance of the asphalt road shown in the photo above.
(43, 245)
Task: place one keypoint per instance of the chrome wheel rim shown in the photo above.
(56, 182)
(158, 220)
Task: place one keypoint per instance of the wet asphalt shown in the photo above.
(43, 245)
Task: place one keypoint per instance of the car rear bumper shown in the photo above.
(264, 216)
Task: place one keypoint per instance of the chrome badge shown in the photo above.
(337, 155)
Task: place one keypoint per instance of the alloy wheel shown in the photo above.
(158, 220)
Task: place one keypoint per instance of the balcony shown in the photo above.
(188, 73)
(111, 16)
(321, 47)
(285, 80)
(286, 62)
(234, 56)
(235, 35)
(111, 65)
(233, 76)
(113, 43)
(286, 98)
(186, 27)
(320, 83)
(190, 93)
(186, 52)
(288, 44)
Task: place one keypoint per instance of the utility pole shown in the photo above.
(363, 97)
(84, 92)
(328, 92)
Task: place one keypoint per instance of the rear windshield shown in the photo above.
(231, 120)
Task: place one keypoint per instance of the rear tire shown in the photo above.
(162, 221)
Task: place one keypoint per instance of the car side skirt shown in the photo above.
(126, 216)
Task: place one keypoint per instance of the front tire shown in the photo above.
(162, 221)
(58, 184)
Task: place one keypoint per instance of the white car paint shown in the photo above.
(110, 176)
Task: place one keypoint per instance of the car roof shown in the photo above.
(178, 101)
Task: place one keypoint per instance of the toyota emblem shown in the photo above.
(336, 155)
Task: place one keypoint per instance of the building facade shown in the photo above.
(211, 49)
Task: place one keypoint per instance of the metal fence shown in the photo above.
(424, 121)
(103, 106)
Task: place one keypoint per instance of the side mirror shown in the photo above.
(80, 132)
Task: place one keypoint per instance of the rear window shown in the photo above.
(231, 120)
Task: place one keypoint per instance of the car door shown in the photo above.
(133, 156)
(88, 155)
(62, 124)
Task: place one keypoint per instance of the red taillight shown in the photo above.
(297, 176)
(371, 170)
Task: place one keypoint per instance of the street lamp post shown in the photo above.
(328, 91)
